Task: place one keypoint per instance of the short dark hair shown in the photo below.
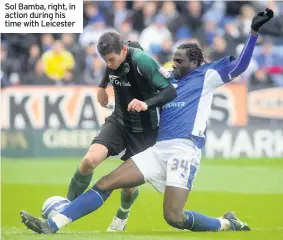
(134, 44)
(193, 52)
(110, 42)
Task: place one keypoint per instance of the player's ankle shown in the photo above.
(225, 224)
(122, 213)
(58, 222)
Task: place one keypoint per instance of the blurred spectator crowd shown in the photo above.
(220, 28)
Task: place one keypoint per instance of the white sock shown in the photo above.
(225, 224)
(61, 220)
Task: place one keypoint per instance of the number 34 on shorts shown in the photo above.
(171, 162)
(181, 172)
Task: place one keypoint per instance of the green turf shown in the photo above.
(251, 188)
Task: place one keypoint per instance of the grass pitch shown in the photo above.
(251, 188)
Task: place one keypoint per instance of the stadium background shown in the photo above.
(49, 113)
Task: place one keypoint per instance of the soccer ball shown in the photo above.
(52, 206)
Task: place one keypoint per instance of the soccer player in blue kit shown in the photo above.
(171, 164)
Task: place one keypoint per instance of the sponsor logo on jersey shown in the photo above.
(174, 105)
(115, 80)
(113, 77)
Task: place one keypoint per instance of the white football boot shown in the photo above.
(117, 225)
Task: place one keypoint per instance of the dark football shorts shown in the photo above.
(117, 138)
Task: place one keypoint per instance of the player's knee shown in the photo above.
(91, 160)
(96, 154)
(174, 218)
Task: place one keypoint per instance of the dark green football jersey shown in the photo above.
(140, 77)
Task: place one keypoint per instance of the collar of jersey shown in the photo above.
(188, 75)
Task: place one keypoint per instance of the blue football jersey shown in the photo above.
(186, 116)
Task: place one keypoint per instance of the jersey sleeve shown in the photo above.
(105, 80)
(222, 68)
(229, 68)
(152, 71)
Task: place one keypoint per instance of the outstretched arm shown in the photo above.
(238, 66)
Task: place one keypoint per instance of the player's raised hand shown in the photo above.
(261, 19)
(137, 106)
(102, 97)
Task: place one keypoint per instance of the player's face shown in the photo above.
(182, 64)
(114, 60)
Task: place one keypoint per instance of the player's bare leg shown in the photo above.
(127, 175)
(98, 153)
(174, 214)
(83, 175)
(173, 206)
(95, 155)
